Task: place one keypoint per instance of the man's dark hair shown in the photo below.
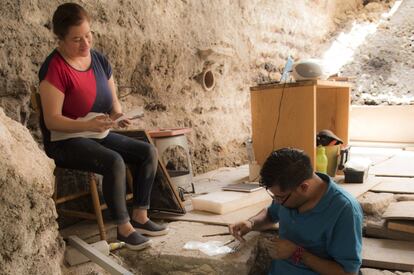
(66, 16)
(286, 168)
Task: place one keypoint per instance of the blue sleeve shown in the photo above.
(345, 244)
(273, 212)
(106, 66)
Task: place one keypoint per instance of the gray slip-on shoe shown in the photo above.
(150, 228)
(134, 241)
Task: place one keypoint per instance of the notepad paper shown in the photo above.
(57, 135)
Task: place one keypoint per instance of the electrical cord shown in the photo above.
(278, 115)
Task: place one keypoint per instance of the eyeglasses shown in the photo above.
(278, 199)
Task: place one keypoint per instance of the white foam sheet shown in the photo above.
(222, 202)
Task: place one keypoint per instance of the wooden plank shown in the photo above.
(320, 83)
(343, 106)
(378, 229)
(168, 132)
(395, 185)
(403, 226)
(97, 257)
(72, 197)
(382, 123)
(399, 165)
(210, 218)
(332, 111)
(357, 189)
(377, 154)
(403, 210)
(291, 125)
(388, 254)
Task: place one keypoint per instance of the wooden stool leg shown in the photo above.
(97, 205)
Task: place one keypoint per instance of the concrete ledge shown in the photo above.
(167, 255)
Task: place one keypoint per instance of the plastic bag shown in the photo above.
(211, 248)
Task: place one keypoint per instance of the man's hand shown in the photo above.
(238, 230)
(280, 249)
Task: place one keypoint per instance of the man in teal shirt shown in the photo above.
(320, 224)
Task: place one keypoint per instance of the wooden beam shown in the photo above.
(388, 254)
(71, 197)
(403, 226)
(97, 257)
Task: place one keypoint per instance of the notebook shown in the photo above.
(242, 187)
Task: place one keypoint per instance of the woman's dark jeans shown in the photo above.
(108, 157)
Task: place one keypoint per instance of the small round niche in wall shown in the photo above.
(207, 80)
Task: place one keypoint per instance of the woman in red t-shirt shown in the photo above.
(80, 105)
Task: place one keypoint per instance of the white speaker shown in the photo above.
(307, 69)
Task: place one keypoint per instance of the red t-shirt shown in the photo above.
(85, 91)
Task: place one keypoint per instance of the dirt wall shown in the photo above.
(159, 48)
(29, 237)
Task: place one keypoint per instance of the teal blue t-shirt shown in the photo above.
(331, 230)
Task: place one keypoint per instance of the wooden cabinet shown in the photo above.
(291, 114)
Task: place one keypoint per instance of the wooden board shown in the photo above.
(357, 189)
(168, 132)
(164, 195)
(324, 84)
(388, 254)
(403, 226)
(291, 114)
(375, 154)
(291, 125)
(97, 257)
(395, 185)
(378, 229)
(400, 165)
(209, 218)
(332, 111)
(403, 210)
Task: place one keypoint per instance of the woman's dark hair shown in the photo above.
(286, 168)
(66, 16)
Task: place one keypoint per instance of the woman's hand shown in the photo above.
(123, 123)
(100, 123)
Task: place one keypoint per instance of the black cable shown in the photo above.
(278, 116)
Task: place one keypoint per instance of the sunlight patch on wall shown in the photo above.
(342, 49)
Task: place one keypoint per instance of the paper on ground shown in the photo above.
(211, 248)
